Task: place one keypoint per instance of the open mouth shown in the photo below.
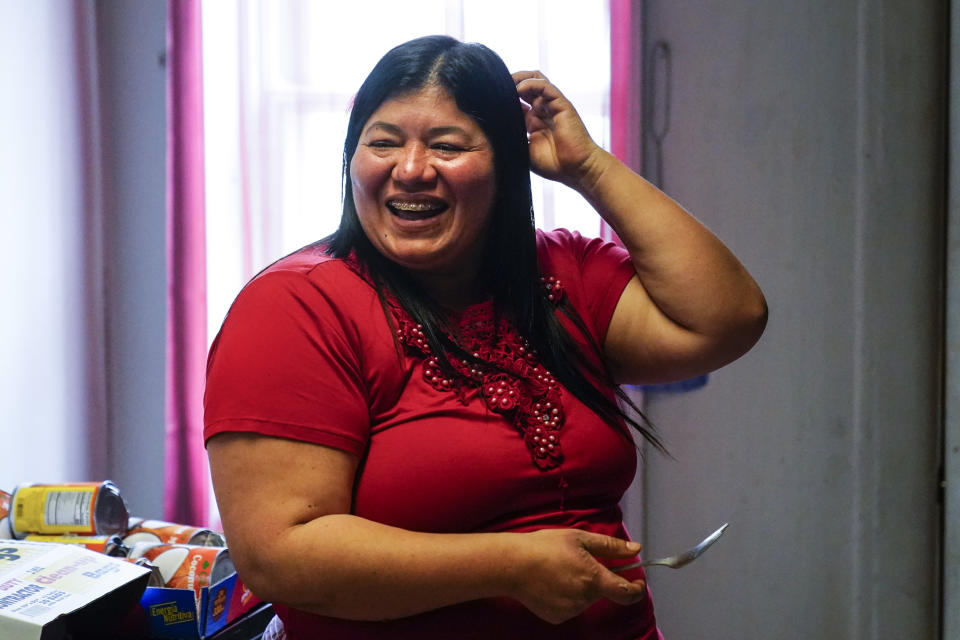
(416, 209)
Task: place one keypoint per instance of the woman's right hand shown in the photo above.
(558, 576)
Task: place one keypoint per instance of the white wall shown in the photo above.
(82, 276)
(44, 378)
(809, 136)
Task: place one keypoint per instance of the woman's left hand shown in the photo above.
(560, 146)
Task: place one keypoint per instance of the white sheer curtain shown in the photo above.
(279, 78)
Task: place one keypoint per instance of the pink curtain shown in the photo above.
(625, 77)
(186, 496)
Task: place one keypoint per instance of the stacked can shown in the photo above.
(185, 566)
(93, 514)
(78, 508)
(140, 530)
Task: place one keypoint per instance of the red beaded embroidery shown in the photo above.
(507, 373)
(554, 288)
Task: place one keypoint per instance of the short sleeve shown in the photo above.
(286, 364)
(594, 273)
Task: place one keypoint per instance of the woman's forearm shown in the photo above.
(344, 566)
(348, 567)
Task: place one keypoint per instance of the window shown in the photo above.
(279, 76)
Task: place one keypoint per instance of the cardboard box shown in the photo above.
(49, 591)
(179, 614)
(52, 591)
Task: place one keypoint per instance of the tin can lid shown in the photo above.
(110, 514)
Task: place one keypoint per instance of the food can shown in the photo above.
(5, 532)
(85, 508)
(107, 545)
(186, 566)
(139, 530)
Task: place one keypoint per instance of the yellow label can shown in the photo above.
(88, 508)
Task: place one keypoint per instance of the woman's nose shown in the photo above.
(414, 165)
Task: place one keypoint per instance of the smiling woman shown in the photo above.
(422, 408)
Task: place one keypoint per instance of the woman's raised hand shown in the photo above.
(559, 576)
(560, 146)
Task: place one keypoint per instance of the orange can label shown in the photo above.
(167, 532)
(185, 566)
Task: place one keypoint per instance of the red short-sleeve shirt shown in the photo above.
(306, 352)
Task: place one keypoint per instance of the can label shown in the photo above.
(171, 533)
(55, 509)
(186, 566)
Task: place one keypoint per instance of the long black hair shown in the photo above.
(482, 87)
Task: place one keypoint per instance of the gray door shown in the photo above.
(810, 136)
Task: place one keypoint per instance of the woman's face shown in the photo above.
(423, 184)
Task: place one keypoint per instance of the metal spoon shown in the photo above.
(681, 559)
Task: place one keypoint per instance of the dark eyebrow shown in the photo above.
(441, 131)
(389, 128)
(435, 131)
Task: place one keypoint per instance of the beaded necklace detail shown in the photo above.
(506, 371)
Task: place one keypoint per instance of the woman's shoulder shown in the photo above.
(309, 278)
(314, 268)
(557, 238)
(311, 262)
(562, 245)
(590, 273)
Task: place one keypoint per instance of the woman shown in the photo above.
(412, 425)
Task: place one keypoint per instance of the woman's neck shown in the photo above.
(453, 291)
